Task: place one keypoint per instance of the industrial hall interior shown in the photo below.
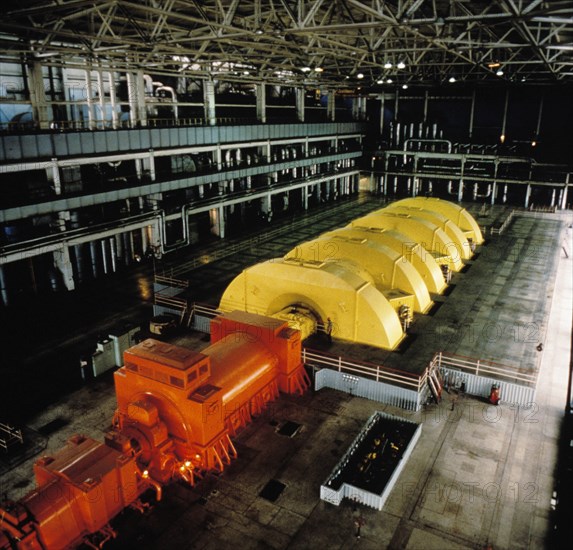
(286, 274)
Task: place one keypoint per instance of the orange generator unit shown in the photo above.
(176, 411)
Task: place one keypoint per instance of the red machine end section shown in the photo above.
(79, 489)
(176, 410)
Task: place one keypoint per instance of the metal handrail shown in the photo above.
(501, 229)
(479, 366)
(377, 372)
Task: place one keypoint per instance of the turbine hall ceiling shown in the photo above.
(326, 43)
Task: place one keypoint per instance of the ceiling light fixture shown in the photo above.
(452, 79)
(493, 65)
(387, 65)
(401, 65)
(379, 82)
(359, 76)
(305, 69)
(318, 69)
(404, 86)
(389, 81)
(499, 72)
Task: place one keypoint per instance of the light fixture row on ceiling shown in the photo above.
(399, 65)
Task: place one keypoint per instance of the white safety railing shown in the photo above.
(201, 315)
(478, 377)
(479, 367)
(358, 368)
(502, 228)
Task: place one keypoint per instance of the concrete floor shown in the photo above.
(479, 476)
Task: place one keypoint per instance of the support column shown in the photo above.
(149, 165)
(141, 105)
(382, 99)
(472, 111)
(38, 95)
(89, 99)
(64, 265)
(331, 105)
(494, 183)
(527, 195)
(209, 102)
(222, 222)
(104, 256)
(93, 258)
(53, 176)
(563, 204)
(132, 99)
(3, 287)
(217, 216)
(112, 100)
(112, 254)
(299, 98)
(266, 208)
(261, 94)
(101, 94)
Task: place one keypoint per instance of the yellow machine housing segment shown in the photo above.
(416, 254)
(456, 213)
(390, 271)
(359, 312)
(429, 235)
(458, 244)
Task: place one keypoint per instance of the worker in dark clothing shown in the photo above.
(328, 329)
(358, 523)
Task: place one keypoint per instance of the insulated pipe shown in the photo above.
(173, 98)
(482, 195)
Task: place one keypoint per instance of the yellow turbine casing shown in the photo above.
(458, 214)
(429, 235)
(458, 241)
(415, 253)
(387, 269)
(359, 312)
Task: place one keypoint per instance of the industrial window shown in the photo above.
(191, 376)
(176, 381)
